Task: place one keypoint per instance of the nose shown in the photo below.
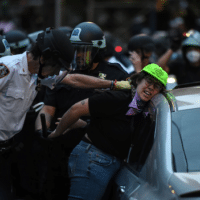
(151, 87)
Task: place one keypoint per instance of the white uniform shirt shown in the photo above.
(17, 92)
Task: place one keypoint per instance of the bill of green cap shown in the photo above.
(157, 72)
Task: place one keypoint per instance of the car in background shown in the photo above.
(167, 167)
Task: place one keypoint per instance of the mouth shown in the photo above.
(147, 94)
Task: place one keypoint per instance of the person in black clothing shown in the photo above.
(185, 66)
(140, 48)
(100, 154)
(89, 43)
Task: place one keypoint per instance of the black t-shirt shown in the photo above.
(64, 96)
(110, 127)
(184, 72)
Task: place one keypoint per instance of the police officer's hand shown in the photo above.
(136, 61)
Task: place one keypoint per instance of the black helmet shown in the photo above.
(4, 47)
(55, 44)
(66, 29)
(33, 36)
(141, 41)
(18, 41)
(89, 42)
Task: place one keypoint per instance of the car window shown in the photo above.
(186, 140)
(144, 142)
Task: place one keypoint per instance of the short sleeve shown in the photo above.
(107, 103)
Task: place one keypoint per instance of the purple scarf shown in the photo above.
(136, 106)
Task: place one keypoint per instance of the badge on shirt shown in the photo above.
(102, 76)
(4, 71)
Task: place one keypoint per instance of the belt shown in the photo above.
(7, 142)
(6, 145)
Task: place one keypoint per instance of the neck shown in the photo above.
(33, 65)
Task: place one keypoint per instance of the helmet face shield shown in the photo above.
(82, 57)
(7, 48)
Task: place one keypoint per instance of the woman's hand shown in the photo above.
(58, 121)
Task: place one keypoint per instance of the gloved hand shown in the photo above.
(119, 85)
(176, 38)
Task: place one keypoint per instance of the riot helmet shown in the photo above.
(4, 47)
(18, 41)
(33, 36)
(66, 29)
(143, 42)
(191, 42)
(54, 45)
(89, 44)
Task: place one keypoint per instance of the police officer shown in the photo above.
(20, 75)
(140, 48)
(89, 45)
(18, 41)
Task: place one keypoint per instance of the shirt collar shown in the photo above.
(24, 64)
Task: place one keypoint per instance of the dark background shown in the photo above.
(116, 16)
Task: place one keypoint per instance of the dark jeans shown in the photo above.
(90, 171)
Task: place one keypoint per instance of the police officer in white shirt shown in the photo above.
(20, 76)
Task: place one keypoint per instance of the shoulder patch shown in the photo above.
(4, 71)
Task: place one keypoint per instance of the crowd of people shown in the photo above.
(92, 98)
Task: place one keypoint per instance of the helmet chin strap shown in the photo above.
(38, 87)
(94, 58)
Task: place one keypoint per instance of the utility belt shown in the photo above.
(6, 145)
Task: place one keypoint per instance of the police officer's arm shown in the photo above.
(84, 81)
(49, 112)
(71, 118)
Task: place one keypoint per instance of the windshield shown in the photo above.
(186, 140)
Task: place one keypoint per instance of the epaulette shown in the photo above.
(4, 71)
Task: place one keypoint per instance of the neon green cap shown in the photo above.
(157, 72)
